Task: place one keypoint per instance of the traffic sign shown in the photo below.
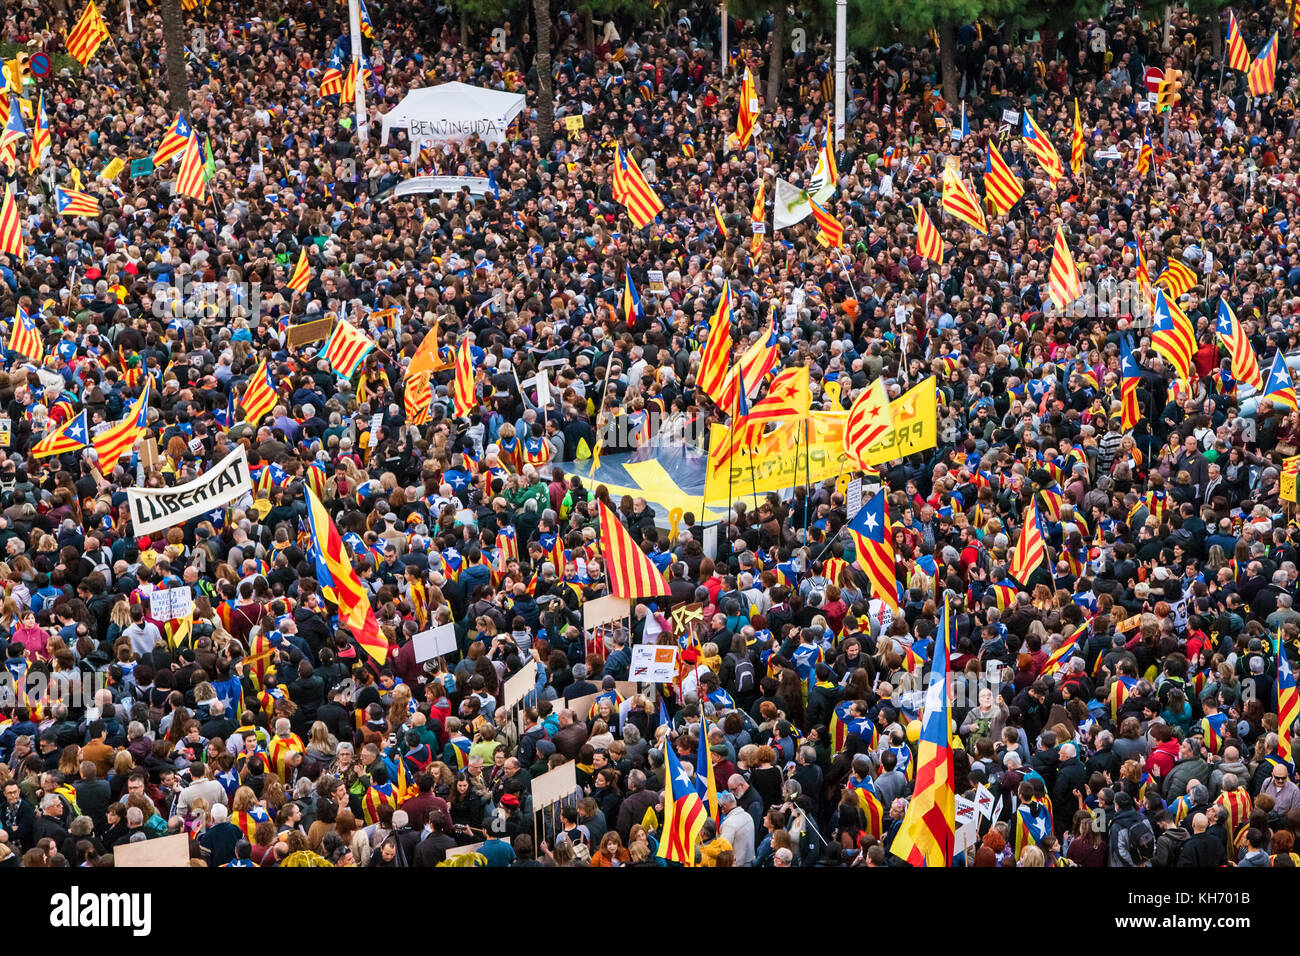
(1152, 77)
(39, 64)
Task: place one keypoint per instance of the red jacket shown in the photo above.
(1163, 757)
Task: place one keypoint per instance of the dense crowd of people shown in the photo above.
(271, 737)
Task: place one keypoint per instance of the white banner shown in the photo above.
(653, 663)
(156, 509)
(171, 604)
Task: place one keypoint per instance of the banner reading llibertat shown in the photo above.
(156, 509)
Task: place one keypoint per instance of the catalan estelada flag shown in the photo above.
(11, 227)
(746, 110)
(929, 828)
(1130, 377)
(1146, 153)
(829, 226)
(87, 34)
(1062, 654)
(1002, 188)
(347, 349)
(70, 202)
(632, 190)
(301, 273)
(869, 419)
(40, 137)
(684, 812)
(715, 359)
(334, 570)
(1063, 283)
(174, 140)
(259, 395)
(633, 310)
(115, 441)
(1238, 54)
(72, 435)
(462, 392)
(190, 180)
(1288, 705)
(630, 571)
(1279, 389)
(705, 784)
(1172, 336)
(1038, 144)
(1245, 366)
(929, 243)
(1030, 548)
(959, 200)
(1262, 75)
(873, 544)
(25, 339)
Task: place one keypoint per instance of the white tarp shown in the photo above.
(451, 113)
(477, 185)
(790, 205)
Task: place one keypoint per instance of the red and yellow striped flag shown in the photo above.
(114, 442)
(715, 359)
(632, 190)
(11, 226)
(1063, 283)
(828, 226)
(870, 417)
(1030, 548)
(630, 571)
(1238, 54)
(928, 241)
(190, 180)
(1002, 188)
(417, 397)
(747, 110)
(259, 395)
(25, 339)
(1076, 142)
(463, 384)
(1261, 78)
(347, 349)
(88, 33)
(301, 273)
(959, 200)
(334, 571)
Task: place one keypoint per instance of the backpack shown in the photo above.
(982, 559)
(1141, 841)
(744, 676)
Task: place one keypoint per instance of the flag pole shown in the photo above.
(359, 101)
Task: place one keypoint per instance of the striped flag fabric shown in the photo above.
(1178, 278)
(829, 226)
(929, 828)
(1129, 380)
(190, 180)
(301, 273)
(11, 227)
(347, 349)
(1172, 336)
(1238, 54)
(174, 141)
(1261, 78)
(633, 310)
(417, 398)
(259, 395)
(72, 435)
(632, 190)
(115, 441)
(1076, 141)
(715, 363)
(754, 363)
(1063, 282)
(87, 34)
(1002, 187)
(463, 384)
(630, 571)
(1288, 705)
(1245, 366)
(334, 570)
(747, 110)
(717, 218)
(1146, 153)
(873, 543)
(684, 812)
(1058, 658)
(1030, 549)
(869, 418)
(959, 200)
(25, 339)
(1038, 144)
(1279, 389)
(928, 241)
(71, 202)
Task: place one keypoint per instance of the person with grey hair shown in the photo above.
(737, 828)
(49, 822)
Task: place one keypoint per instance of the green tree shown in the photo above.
(1209, 12)
(812, 15)
(173, 23)
(877, 23)
(1051, 17)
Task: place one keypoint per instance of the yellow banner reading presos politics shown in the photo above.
(916, 425)
(779, 461)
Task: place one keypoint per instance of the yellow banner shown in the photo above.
(1287, 483)
(916, 425)
(113, 169)
(782, 459)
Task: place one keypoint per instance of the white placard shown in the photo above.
(156, 509)
(711, 542)
(853, 499)
(171, 604)
(555, 785)
(984, 801)
(376, 421)
(656, 283)
(196, 446)
(435, 642)
(520, 685)
(1011, 117)
(6, 432)
(653, 663)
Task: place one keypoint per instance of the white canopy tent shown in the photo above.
(451, 113)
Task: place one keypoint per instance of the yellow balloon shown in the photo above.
(914, 731)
